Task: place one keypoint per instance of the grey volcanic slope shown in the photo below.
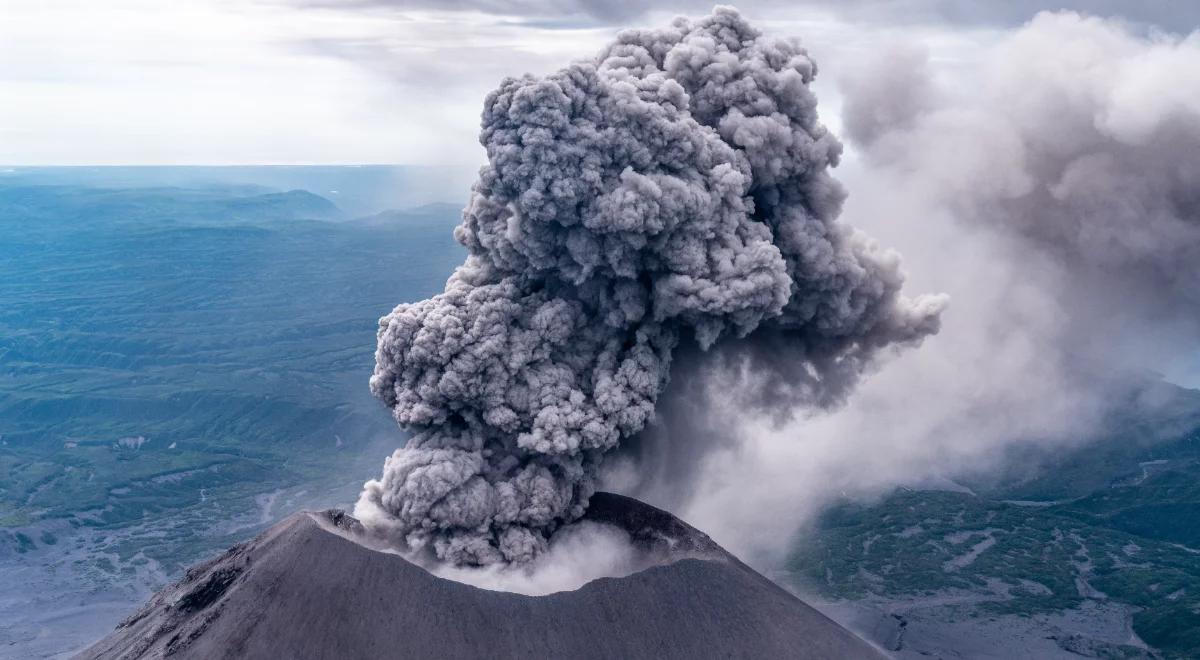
(306, 589)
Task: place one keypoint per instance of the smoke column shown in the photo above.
(672, 191)
(1047, 178)
(1076, 136)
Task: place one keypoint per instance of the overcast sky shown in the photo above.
(363, 81)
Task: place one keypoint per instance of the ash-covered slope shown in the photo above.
(306, 589)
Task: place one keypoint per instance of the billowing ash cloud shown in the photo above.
(1077, 135)
(672, 190)
(1046, 177)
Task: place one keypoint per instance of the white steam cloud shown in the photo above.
(576, 554)
(1050, 183)
(672, 192)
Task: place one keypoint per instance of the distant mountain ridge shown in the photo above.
(425, 214)
(357, 189)
(175, 205)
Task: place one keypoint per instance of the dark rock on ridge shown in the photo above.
(306, 588)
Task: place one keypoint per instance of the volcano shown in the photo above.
(313, 587)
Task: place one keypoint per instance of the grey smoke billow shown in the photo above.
(1076, 134)
(957, 151)
(672, 190)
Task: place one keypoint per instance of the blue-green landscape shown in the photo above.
(180, 366)
(1092, 551)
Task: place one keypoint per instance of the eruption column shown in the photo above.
(673, 189)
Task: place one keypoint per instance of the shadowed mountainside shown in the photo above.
(307, 589)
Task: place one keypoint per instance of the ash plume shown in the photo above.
(671, 191)
(1075, 135)
(1046, 179)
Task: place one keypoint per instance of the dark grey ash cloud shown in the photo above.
(673, 190)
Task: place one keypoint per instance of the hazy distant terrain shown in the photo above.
(180, 367)
(356, 190)
(1093, 551)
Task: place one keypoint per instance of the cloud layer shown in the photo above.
(1166, 14)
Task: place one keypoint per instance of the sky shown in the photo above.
(381, 81)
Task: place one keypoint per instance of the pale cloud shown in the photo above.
(146, 82)
(208, 81)
(1171, 15)
(362, 81)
